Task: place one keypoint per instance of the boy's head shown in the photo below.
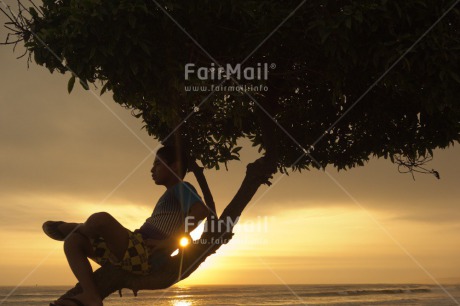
(169, 157)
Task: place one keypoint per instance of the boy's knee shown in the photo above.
(72, 241)
(98, 220)
(77, 243)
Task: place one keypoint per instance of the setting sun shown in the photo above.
(184, 242)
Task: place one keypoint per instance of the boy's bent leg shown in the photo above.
(77, 249)
(68, 228)
(114, 234)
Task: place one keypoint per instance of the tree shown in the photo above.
(335, 97)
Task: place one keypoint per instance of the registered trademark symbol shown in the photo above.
(272, 66)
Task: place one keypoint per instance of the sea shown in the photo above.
(370, 294)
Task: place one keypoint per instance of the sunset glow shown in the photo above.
(64, 157)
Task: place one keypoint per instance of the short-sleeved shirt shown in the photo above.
(170, 211)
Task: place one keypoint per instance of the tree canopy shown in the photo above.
(327, 54)
(348, 80)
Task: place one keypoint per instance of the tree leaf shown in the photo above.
(71, 83)
(84, 84)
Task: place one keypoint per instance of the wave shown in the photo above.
(240, 293)
(365, 292)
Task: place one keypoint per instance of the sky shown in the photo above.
(63, 157)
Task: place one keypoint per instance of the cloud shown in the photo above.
(377, 186)
(444, 217)
(27, 212)
(53, 142)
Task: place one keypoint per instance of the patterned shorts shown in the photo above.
(135, 260)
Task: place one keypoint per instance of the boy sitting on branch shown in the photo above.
(104, 240)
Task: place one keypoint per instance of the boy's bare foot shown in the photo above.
(79, 300)
(67, 228)
(58, 230)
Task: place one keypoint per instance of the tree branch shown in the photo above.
(407, 164)
(109, 278)
(200, 177)
(257, 173)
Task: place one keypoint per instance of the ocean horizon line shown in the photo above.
(270, 284)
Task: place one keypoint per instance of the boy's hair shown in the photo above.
(170, 154)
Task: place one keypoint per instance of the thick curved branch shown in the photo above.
(110, 279)
(257, 173)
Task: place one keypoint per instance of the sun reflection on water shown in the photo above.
(181, 303)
